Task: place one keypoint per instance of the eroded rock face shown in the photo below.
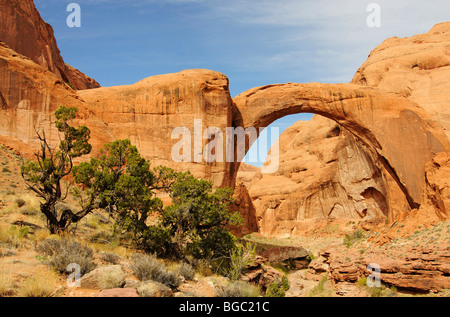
(416, 269)
(24, 31)
(396, 131)
(415, 67)
(244, 205)
(149, 111)
(343, 186)
(437, 186)
(324, 172)
(29, 96)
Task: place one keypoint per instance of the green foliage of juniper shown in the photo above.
(122, 182)
(198, 218)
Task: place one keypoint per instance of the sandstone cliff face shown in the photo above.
(29, 96)
(324, 172)
(23, 30)
(417, 68)
(148, 112)
(244, 205)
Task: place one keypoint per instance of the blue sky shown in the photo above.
(253, 42)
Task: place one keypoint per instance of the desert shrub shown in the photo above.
(362, 281)
(63, 252)
(186, 271)
(29, 210)
(238, 289)
(353, 237)
(321, 290)
(383, 291)
(203, 267)
(13, 236)
(111, 279)
(278, 288)
(103, 237)
(148, 267)
(110, 257)
(242, 256)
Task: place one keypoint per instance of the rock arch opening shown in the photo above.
(325, 174)
(394, 133)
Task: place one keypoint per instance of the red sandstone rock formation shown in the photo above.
(422, 269)
(29, 96)
(148, 111)
(23, 30)
(311, 169)
(415, 67)
(324, 173)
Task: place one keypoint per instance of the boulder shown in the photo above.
(260, 273)
(154, 289)
(93, 279)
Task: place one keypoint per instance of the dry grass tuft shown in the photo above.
(40, 284)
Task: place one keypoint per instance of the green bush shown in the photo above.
(278, 288)
(321, 289)
(13, 236)
(353, 237)
(242, 256)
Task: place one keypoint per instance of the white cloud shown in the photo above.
(336, 29)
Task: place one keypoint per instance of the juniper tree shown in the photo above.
(45, 175)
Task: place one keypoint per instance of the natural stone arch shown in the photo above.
(395, 130)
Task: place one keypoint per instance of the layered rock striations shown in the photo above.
(29, 96)
(324, 172)
(159, 112)
(24, 31)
